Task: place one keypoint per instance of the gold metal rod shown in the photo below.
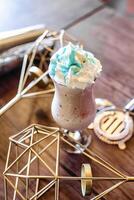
(58, 154)
(28, 164)
(35, 94)
(47, 48)
(78, 178)
(91, 157)
(5, 189)
(107, 163)
(33, 83)
(37, 187)
(107, 191)
(49, 168)
(95, 155)
(37, 43)
(130, 178)
(12, 102)
(47, 127)
(17, 179)
(24, 153)
(47, 133)
(27, 136)
(22, 73)
(29, 156)
(57, 186)
(15, 160)
(8, 154)
(45, 137)
(30, 176)
(19, 143)
(44, 149)
(40, 130)
(38, 167)
(43, 190)
(19, 95)
(102, 160)
(15, 188)
(24, 136)
(15, 191)
(21, 132)
(57, 167)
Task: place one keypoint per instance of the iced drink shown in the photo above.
(73, 72)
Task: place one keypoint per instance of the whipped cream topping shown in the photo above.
(74, 67)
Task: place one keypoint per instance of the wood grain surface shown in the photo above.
(110, 37)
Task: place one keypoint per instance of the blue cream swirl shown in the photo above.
(74, 67)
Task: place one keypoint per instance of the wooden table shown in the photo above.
(110, 37)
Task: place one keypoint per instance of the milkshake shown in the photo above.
(73, 71)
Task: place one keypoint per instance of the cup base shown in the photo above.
(79, 139)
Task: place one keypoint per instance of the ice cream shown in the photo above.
(74, 67)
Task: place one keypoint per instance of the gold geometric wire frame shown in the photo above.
(24, 91)
(28, 62)
(24, 139)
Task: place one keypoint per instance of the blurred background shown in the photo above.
(20, 13)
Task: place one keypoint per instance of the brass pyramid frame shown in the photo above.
(21, 138)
